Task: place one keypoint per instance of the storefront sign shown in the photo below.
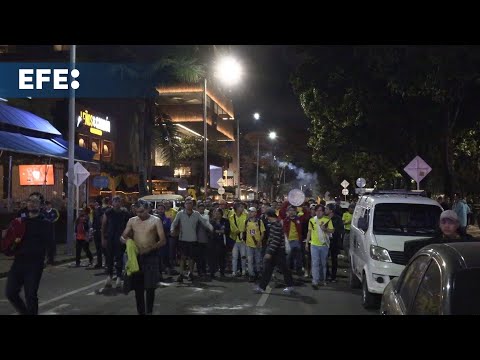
(95, 123)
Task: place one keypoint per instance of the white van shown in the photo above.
(381, 223)
(158, 199)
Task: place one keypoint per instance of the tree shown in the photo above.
(373, 108)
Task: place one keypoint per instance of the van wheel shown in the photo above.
(369, 300)
(353, 280)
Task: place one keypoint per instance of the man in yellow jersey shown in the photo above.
(318, 241)
(255, 234)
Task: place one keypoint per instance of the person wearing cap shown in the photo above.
(450, 231)
(347, 221)
(275, 255)
(255, 233)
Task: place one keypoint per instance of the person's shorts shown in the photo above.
(188, 249)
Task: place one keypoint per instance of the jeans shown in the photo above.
(27, 274)
(295, 254)
(319, 263)
(254, 254)
(279, 260)
(239, 250)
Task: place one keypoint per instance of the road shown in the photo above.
(78, 291)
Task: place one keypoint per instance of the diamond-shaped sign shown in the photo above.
(345, 183)
(418, 169)
(220, 182)
(81, 174)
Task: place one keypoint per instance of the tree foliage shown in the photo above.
(374, 108)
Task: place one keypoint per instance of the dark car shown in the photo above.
(440, 279)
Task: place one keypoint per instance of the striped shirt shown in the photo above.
(276, 239)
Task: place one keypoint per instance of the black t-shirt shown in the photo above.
(116, 223)
(34, 242)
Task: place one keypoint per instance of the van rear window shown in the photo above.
(406, 219)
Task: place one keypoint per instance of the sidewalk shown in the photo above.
(61, 258)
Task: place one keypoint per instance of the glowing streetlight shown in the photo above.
(229, 71)
(272, 135)
(256, 116)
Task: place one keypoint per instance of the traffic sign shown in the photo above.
(220, 182)
(221, 190)
(418, 169)
(345, 192)
(345, 183)
(80, 174)
(361, 182)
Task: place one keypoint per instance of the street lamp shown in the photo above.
(229, 71)
(272, 135)
(256, 116)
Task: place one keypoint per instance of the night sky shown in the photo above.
(266, 89)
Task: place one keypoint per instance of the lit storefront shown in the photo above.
(94, 132)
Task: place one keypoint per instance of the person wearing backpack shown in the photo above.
(31, 235)
(255, 233)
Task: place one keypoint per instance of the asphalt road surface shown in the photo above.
(78, 291)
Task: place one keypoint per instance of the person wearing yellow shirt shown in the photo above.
(255, 234)
(320, 229)
(292, 227)
(169, 211)
(238, 219)
(347, 221)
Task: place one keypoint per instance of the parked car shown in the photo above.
(382, 222)
(440, 279)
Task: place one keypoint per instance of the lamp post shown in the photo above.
(229, 71)
(272, 135)
(71, 158)
(205, 159)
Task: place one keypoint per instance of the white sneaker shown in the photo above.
(258, 290)
(288, 290)
(244, 273)
(108, 282)
(118, 283)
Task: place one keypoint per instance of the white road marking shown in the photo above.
(264, 297)
(69, 294)
(56, 308)
(91, 293)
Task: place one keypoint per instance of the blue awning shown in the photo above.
(24, 119)
(20, 143)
